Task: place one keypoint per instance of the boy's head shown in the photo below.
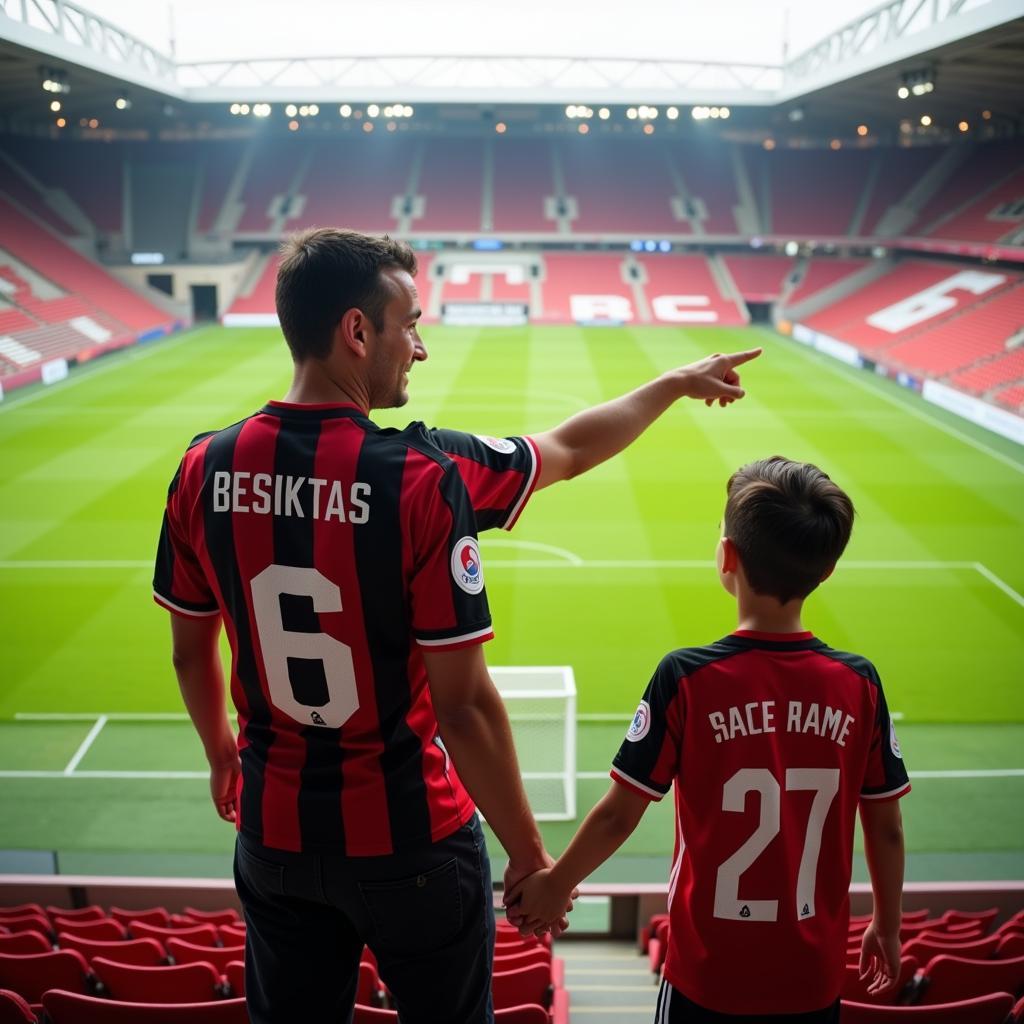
(788, 523)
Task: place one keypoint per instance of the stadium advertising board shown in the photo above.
(485, 314)
(999, 421)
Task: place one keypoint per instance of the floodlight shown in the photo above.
(648, 129)
(903, 92)
(986, 115)
(293, 126)
(650, 245)
(244, 108)
(372, 110)
(796, 114)
(367, 126)
(672, 113)
(570, 111)
(500, 127)
(791, 248)
(584, 128)
(724, 112)
(926, 120)
(664, 245)
(123, 103)
(631, 113)
(408, 111)
(55, 105)
(862, 130)
(636, 245)
(604, 113)
(345, 110)
(61, 123)
(313, 110)
(291, 110)
(303, 111)
(261, 110)
(235, 109)
(963, 126)
(768, 144)
(835, 144)
(713, 112)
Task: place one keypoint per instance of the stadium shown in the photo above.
(586, 214)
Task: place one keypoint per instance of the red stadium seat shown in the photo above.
(924, 948)
(103, 930)
(1010, 946)
(187, 983)
(68, 1008)
(90, 913)
(31, 974)
(218, 917)
(235, 973)
(140, 952)
(21, 910)
(522, 958)
(964, 917)
(190, 953)
(154, 915)
(24, 942)
(14, 1009)
(948, 978)
(523, 985)
(231, 934)
(369, 991)
(990, 1009)
(856, 990)
(1018, 1012)
(28, 923)
(199, 935)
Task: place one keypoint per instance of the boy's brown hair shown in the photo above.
(789, 524)
(324, 272)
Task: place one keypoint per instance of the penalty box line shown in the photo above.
(100, 720)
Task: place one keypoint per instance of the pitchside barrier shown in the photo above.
(541, 703)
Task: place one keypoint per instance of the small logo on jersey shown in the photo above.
(894, 742)
(317, 720)
(499, 444)
(745, 912)
(805, 911)
(466, 568)
(641, 724)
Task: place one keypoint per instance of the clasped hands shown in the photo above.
(537, 903)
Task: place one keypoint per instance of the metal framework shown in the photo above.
(895, 30)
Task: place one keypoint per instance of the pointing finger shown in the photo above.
(738, 358)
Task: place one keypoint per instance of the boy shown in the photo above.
(773, 739)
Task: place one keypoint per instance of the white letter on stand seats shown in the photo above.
(932, 301)
(679, 309)
(601, 307)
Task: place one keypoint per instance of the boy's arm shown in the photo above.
(883, 847)
(541, 899)
(595, 435)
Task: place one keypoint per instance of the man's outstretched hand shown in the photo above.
(714, 378)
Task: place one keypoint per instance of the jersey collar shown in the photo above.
(312, 411)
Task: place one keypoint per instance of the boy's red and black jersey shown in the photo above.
(771, 741)
(336, 552)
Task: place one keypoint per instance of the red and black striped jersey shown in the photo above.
(771, 741)
(336, 552)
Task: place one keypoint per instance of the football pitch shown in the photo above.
(604, 573)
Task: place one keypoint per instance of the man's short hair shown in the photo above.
(324, 272)
(789, 523)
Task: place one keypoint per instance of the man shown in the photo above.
(343, 561)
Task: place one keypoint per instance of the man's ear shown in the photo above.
(351, 332)
(730, 557)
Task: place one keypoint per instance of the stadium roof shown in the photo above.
(972, 50)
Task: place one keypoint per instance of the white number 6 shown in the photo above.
(280, 644)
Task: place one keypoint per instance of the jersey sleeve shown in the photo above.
(500, 473)
(179, 583)
(646, 761)
(885, 777)
(449, 602)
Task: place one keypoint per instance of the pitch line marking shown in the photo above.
(956, 773)
(85, 745)
(1000, 583)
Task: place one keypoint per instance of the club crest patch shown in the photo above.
(641, 724)
(894, 742)
(467, 570)
(499, 444)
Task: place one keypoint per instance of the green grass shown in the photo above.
(929, 589)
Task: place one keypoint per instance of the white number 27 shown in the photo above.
(825, 784)
(279, 644)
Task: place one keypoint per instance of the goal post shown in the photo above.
(541, 703)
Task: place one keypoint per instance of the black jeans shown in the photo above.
(427, 915)
(675, 1008)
